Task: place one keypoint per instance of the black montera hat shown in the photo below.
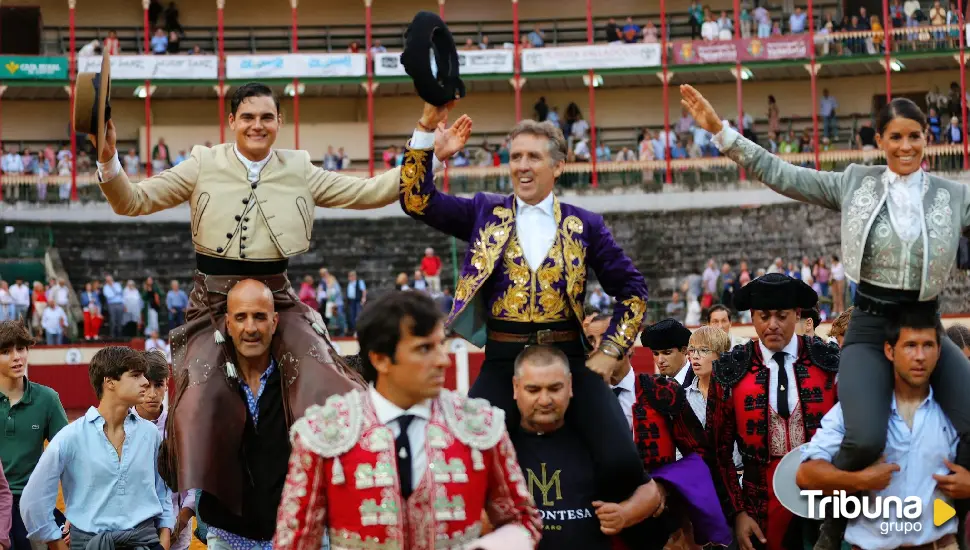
(775, 291)
(431, 59)
(665, 334)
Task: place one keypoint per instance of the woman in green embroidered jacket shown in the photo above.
(900, 232)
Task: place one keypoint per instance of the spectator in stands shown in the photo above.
(180, 158)
(377, 47)
(772, 145)
(418, 283)
(356, 298)
(774, 115)
(676, 308)
(12, 163)
(933, 121)
(176, 301)
(336, 315)
(330, 160)
(797, 21)
(431, 269)
(155, 10)
(720, 316)
(91, 48)
(581, 150)
(172, 23)
(696, 16)
(155, 342)
(626, 155)
(20, 293)
(537, 37)
(631, 31)
(763, 20)
(401, 282)
(645, 151)
(603, 153)
(159, 42)
(39, 417)
(308, 292)
(650, 33)
(132, 299)
(38, 300)
(161, 157)
(390, 156)
(111, 44)
(725, 26)
(866, 136)
(837, 285)
(343, 159)
(541, 110)
(54, 321)
(196, 50)
(828, 106)
(897, 14)
(7, 310)
(484, 43)
(151, 295)
(354, 47)
(524, 42)
(91, 304)
(114, 297)
(174, 43)
(132, 163)
(745, 19)
(953, 133)
(612, 32)
(710, 30)
(709, 277)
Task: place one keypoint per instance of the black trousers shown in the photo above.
(18, 531)
(866, 381)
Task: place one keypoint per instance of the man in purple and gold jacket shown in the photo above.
(523, 282)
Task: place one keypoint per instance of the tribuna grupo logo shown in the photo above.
(898, 515)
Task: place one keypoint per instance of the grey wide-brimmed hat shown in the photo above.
(788, 493)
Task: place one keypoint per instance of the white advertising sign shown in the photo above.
(603, 56)
(314, 65)
(469, 62)
(155, 67)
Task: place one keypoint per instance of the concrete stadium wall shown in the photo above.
(492, 112)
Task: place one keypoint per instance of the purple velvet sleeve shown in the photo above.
(421, 200)
(621, 280)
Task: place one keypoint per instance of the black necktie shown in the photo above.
(402, 446)
(617, 391)
(782, 384)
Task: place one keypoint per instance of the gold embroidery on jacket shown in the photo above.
(629, 326)
(531, 297)
(412, 175)
(485, 251)
(574, 256)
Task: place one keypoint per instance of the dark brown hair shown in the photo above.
(14, 334)
(113, 362)
(156, 370)
(900, 108)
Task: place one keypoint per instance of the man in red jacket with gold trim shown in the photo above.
(770, 397)
(404, 464)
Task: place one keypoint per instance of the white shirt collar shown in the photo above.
(544, 206)
(628, 383)
(249, 164)
(388, 412)
(909, 181)
(682, 374)
(791, 349)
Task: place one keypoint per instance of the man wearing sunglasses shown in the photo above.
(30, 414)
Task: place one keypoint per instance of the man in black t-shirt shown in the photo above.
(557, 465)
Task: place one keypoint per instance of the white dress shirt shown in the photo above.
(536, 229)
(253, 168)
(388, 413)
(682, 375)
(627, 396)
(905, 203)
(20, 294)
(791, 352)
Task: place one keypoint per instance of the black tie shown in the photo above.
(402, 446)
(617, 391)
(782, 384)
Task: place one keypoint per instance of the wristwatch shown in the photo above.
(611, 350)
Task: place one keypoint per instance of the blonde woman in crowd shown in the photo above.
(705, 346)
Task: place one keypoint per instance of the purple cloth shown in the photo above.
(6, 510)
(487, 222)
(692, 479)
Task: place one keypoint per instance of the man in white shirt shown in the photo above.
(720, 316)
(154, 342)
(54, 321)
(12, 163)
(20, 293)
(668, 340)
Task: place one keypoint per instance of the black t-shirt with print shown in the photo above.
(561, 477)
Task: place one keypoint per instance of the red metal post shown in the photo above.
(517, 62)
(148, 94)
(295, 46)
(888, 26)
(370, 87)
(738, 78)
(963, 84)
(592, 94)
(72, 76)
(2, 90)
(221, 34)
(446, 182)
(666, 90)
(811, 53)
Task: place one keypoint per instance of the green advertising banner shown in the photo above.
(25, 67)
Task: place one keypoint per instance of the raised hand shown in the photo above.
(109, 142)
(700, 109)
(448, 141)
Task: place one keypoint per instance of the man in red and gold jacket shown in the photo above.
(404, 464)
(770, 397)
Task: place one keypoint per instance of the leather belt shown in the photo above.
(947, 541)
(885, 308)
(539, 337)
